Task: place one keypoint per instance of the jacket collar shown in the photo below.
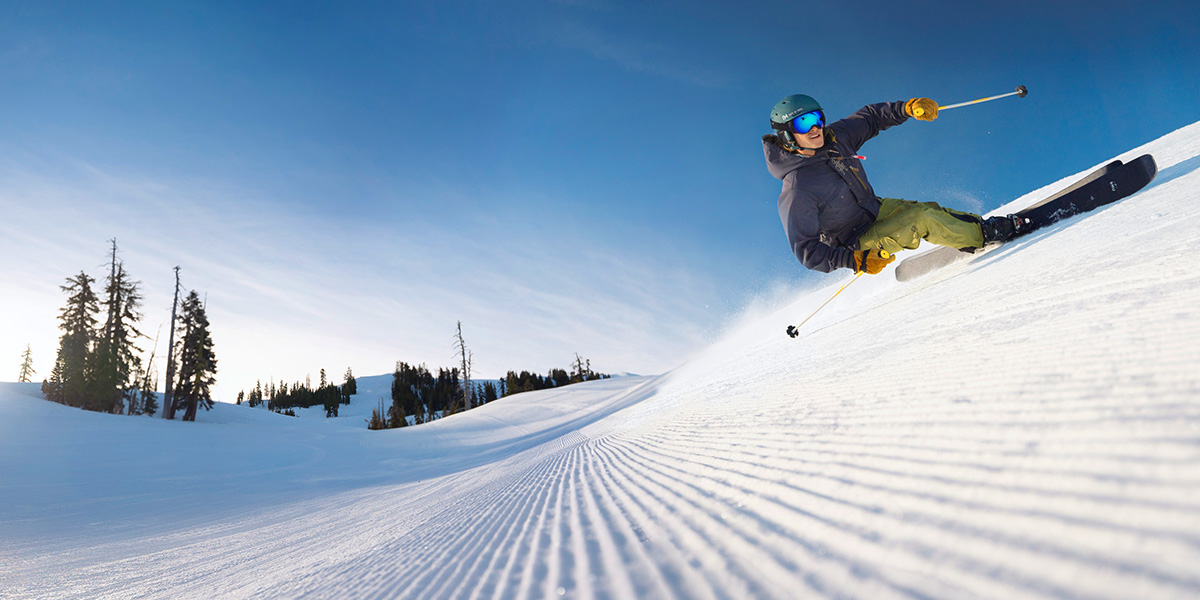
(781, 161)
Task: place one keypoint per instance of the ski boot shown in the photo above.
(1002, 229)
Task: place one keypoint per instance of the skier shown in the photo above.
(832, 216)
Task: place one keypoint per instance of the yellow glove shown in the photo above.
(872, 262)
(922, 109)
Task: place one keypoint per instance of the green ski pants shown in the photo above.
(902, 224)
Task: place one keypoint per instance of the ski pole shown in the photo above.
(794, 330)
(1021, 93)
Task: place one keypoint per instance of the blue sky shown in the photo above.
(347, 180)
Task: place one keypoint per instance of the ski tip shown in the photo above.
(1147, 164)
(1151, 165)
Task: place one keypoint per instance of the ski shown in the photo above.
(1107, 184)
(1121, 182)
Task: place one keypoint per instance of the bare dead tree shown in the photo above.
(168, 395)
(465, 356)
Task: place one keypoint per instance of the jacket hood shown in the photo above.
(780, 162)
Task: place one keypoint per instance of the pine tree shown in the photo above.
(197, 363)
(447, 394)
(147, 401)
(396, 417)
(412, 393)
(140, 399)
(489, 393)
(27, 366)
(350, 388)
(68, 381)
(558, 378)
(256, 395)
(378, 418)
(115, 362)
(331, 397)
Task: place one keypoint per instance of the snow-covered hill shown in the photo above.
(1024, 425)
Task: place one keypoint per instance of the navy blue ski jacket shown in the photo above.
(827, 202)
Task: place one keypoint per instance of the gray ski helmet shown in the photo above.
(791, 107)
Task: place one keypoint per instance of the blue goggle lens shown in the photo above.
(806, 121)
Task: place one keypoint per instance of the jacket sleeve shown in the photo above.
(800, 219)
(869, 121)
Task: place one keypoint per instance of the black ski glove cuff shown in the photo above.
(847, 259)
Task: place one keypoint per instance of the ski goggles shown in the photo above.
(808, 120)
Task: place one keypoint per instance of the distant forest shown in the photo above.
(419, 397)
(284, 399)
(418, 394)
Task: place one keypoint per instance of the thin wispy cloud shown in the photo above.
(638, 56)
(24, 52)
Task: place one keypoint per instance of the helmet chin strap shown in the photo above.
(803, 149)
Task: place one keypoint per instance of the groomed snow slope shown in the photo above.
(1024, 425)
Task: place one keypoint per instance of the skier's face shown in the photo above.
(813, 139)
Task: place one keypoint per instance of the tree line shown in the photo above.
(284, 399)
(419, 396)
(418, 393)
(581, 370)
(98, 366)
